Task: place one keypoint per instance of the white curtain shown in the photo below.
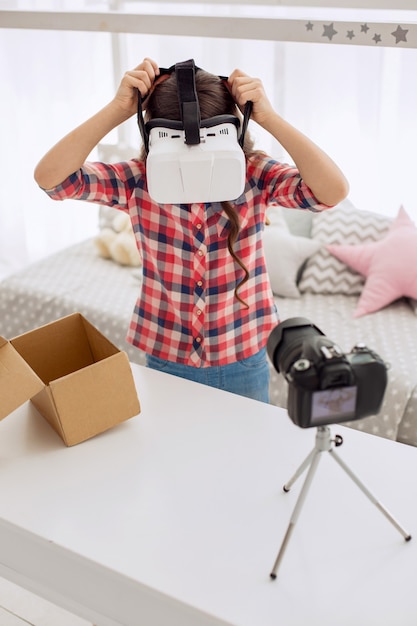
(358, 103)
(51, 81)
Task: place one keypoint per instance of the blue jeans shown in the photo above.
(248, 377)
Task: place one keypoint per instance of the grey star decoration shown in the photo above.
(309, 26)
(400, 34)
(350, 34)
(329, 31)
(377, 38)
(364, 28)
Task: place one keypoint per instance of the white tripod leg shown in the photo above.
(314, 457)
(300, 470)
(323, 443)
(371, 497)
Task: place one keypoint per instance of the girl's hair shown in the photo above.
(214, 99)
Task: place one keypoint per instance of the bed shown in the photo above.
(77, 279)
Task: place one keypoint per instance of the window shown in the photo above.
(356, 101)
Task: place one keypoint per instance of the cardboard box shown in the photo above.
(78, 380)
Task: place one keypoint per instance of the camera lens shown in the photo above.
(285, 342)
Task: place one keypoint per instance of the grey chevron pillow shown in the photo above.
(346, 224)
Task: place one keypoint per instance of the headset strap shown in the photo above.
(247, 112)
(188, 95)
(189, 107)
(188, 101)
(141, 123)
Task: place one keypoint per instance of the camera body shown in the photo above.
(326, 386)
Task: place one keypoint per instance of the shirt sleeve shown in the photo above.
(283, 184)
(108, 184)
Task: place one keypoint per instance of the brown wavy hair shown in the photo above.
(214, 99)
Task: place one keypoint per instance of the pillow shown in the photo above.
(284, 255)
(342, 224)
(299, 221)
(389, 265)
(275, 217)
(116, 240)
(106, 215)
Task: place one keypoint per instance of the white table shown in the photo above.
(175, 517)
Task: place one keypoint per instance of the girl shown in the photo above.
(206, 308)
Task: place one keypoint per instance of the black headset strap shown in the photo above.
(188, 101)
(189, 107)
(246, 117)
(187, 81)
(141, 123)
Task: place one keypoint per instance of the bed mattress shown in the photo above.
(78, 280)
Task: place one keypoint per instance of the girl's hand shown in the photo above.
(140, 78)
(244, 88)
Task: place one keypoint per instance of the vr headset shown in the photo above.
(193, 160)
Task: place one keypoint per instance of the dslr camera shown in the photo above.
(326, 386)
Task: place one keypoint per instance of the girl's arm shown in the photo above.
(318, 170)
(69, 154)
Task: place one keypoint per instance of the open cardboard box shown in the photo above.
(78, 380)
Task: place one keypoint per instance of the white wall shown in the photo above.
(357, 102)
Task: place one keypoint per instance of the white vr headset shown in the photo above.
(193, 160)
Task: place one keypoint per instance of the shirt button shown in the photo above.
(200, 283)
(198, 312)
(199, 226)
(200, 253)
(198, 339)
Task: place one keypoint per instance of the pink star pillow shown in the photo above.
(389, 265)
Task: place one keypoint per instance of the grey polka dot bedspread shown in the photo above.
(78, 280)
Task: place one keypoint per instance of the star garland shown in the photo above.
(364, 31)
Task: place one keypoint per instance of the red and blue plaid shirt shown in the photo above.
(187, 310)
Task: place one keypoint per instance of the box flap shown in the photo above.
(55, 349)
(45, 404)
(18, 382)
(94, 399)
(101, 347)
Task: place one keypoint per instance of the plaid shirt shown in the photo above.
(187, 310)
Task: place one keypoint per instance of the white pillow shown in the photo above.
(344, 224)
(285, 254)
(276, 218)
(106, 215)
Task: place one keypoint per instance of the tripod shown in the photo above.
(324, 444)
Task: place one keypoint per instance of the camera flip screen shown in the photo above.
(333, 405)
